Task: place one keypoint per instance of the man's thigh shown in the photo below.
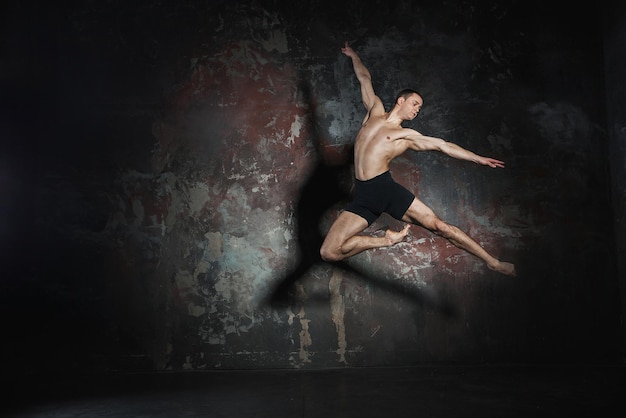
(346, 225)
(419, 213)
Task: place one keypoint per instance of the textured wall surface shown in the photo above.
(170, 165)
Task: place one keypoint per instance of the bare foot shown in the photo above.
(395, 237)
(504, 268)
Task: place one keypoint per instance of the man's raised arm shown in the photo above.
(363, 75)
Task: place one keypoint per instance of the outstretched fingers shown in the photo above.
(493, 163)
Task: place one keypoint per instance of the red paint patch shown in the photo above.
(239, 114)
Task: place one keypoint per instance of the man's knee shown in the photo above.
(442, 228)
(329, 255)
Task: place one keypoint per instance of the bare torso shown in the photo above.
(377, 143)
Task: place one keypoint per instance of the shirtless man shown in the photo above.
(381, 139)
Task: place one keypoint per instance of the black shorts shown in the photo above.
(377, 195)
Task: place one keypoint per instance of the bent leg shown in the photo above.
(343, 241)
(419, 213)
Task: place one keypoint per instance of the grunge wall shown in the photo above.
(168, 165)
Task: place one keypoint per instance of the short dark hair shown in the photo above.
(406, 93)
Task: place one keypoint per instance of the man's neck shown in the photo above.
(393, 118)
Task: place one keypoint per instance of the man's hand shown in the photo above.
(491, 162)
(347, 50)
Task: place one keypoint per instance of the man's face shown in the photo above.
(412, 105)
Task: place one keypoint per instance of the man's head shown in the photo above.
(409, 103)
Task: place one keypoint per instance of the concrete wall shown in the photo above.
(170, 165)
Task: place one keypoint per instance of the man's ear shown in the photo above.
(400, 100)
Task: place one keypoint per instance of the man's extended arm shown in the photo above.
(419, 142)
(363, 75)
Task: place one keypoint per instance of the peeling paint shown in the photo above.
(295, 130)
(198, 196)
(138, 211)
(214, 246)
(338, 309)
(305, 339)
(276, 40)
(187, 286)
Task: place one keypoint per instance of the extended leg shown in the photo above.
(343, 241)
(421, 214)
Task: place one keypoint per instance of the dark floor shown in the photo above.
(424, 391)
